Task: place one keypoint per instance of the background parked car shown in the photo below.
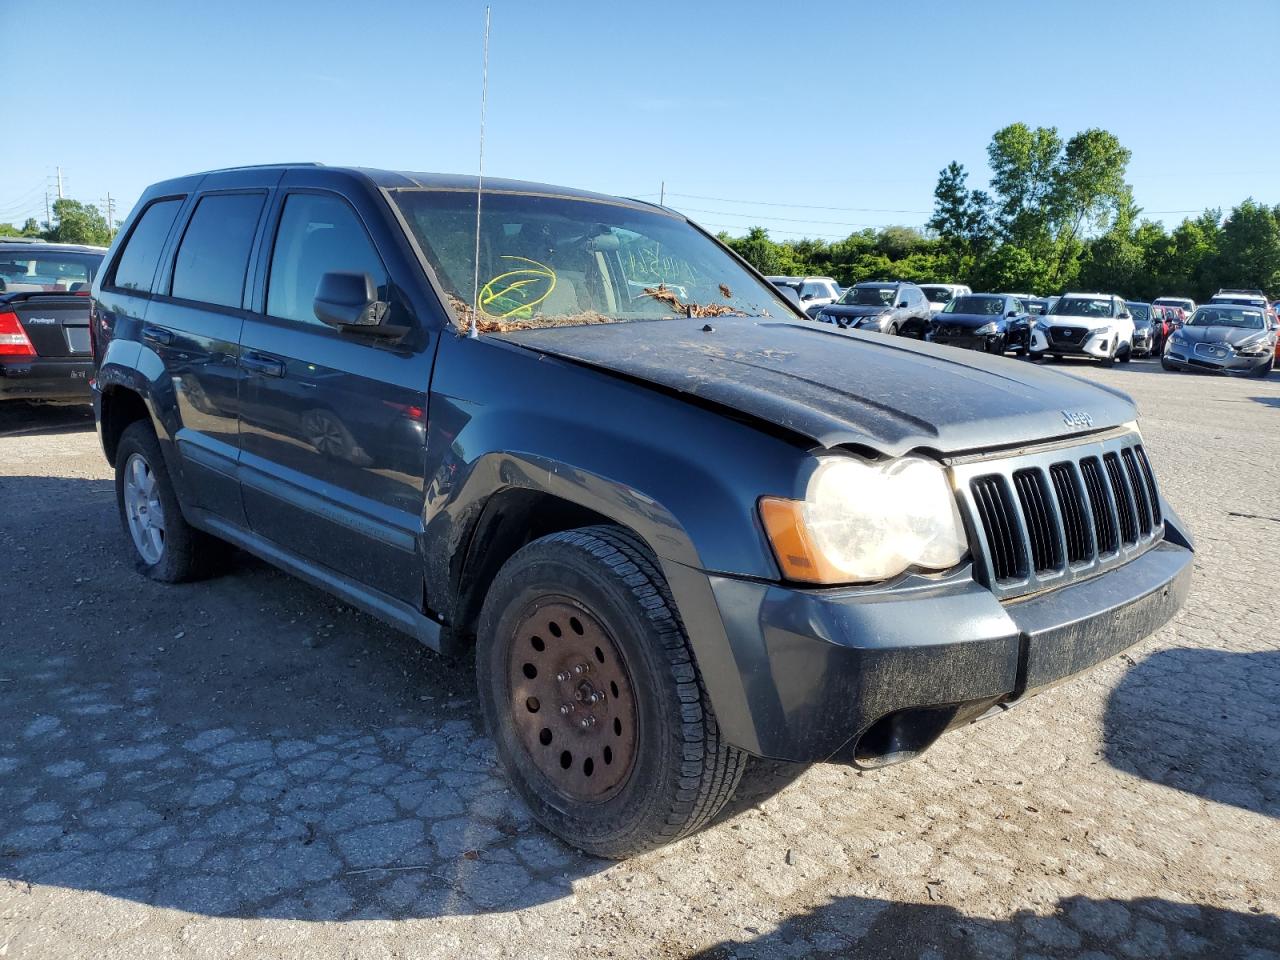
(1187, 305)
(1148, 336)
(45, 352)
(884, 306)
(814, 292)
(1036, 306)
(991, 322)
(940, 294)
(1096, 325)
(1226, 338)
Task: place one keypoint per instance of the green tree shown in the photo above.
(78, 222)
(962, 221)
(1248, 249)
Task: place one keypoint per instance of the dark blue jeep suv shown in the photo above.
(675, 522)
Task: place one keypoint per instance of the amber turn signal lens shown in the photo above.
(792, 547)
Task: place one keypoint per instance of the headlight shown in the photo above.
(1100, 332)
(1179, 339)
(1042, 325)
(1254, 348)
(861, 522)
(985, 330)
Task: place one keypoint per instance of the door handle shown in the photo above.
(262, 363)
(157, 334)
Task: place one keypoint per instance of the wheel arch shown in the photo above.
(119, 406)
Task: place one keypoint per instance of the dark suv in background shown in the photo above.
(674, 522)
(881, 306)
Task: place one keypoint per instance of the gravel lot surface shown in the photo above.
(246, 768)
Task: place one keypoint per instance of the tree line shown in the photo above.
(1058, 215)
(73, 222)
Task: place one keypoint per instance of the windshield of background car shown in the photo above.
(1141, 312)
(46, 272)
(1224, 316)
(558, 261)
(937, 294)
(1082, 307)
(868, 296)
(986, 306)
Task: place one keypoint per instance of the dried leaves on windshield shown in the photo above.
(487, 324)
(664, 294)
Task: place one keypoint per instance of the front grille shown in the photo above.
(1048, 518)
(1073, 335)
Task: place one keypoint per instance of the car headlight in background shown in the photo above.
(985, 330)
(862, 521)
(1100, 332)
(1254, 348)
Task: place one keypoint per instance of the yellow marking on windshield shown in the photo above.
(508, 291)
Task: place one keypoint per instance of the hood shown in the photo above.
(970, 321)
(835, 387)
(851, 310)
(1223, 334)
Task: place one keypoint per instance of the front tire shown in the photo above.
(1263, 370)
(164, 546)
(591, 693)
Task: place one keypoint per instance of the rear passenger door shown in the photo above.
(193, 327)
(333, 425)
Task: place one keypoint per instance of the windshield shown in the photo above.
(46, 272)
(1173, 302)
(869, 296)
(1141, 312)
(557, 261)
(1082, 307)
(938, 294)
(986, 306)
(1223, 316)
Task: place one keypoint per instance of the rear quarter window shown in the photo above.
(214, 253)
(136, 268)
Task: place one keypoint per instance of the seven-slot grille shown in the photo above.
(1049, 518)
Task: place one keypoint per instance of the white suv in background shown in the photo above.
(1096, 325)
(940, 294)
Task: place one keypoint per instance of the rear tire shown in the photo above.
(164, 546)
(1127, 354)
(1166, 365)
(1264, 370)
(600, 588)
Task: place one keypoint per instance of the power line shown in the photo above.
(752, 216)
(794, 206)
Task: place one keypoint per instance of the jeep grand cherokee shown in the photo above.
(674, 522)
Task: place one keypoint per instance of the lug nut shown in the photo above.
(566, 709)
(587, 722)
(581, 668)
(563, 676)
(595, 697)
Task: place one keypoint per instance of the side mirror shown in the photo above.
(902, 304)
(349, 302)
(806, 296)
(1124, 316)
(1012, 313)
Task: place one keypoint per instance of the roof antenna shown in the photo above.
(484, 99)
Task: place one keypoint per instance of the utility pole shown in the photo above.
(110, 206)
(662, 194)
(48, 214)
(60, 196)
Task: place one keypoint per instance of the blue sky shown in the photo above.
(813, 118)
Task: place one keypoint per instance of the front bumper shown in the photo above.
(821, 667)
(43, 378)
(1090, 345)
(1225, 361)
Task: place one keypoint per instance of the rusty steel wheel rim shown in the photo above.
(571, 700)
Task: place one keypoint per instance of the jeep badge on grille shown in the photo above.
(1076, 418)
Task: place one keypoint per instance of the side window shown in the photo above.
(136, 268)
(214, 251)
(318, 235)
